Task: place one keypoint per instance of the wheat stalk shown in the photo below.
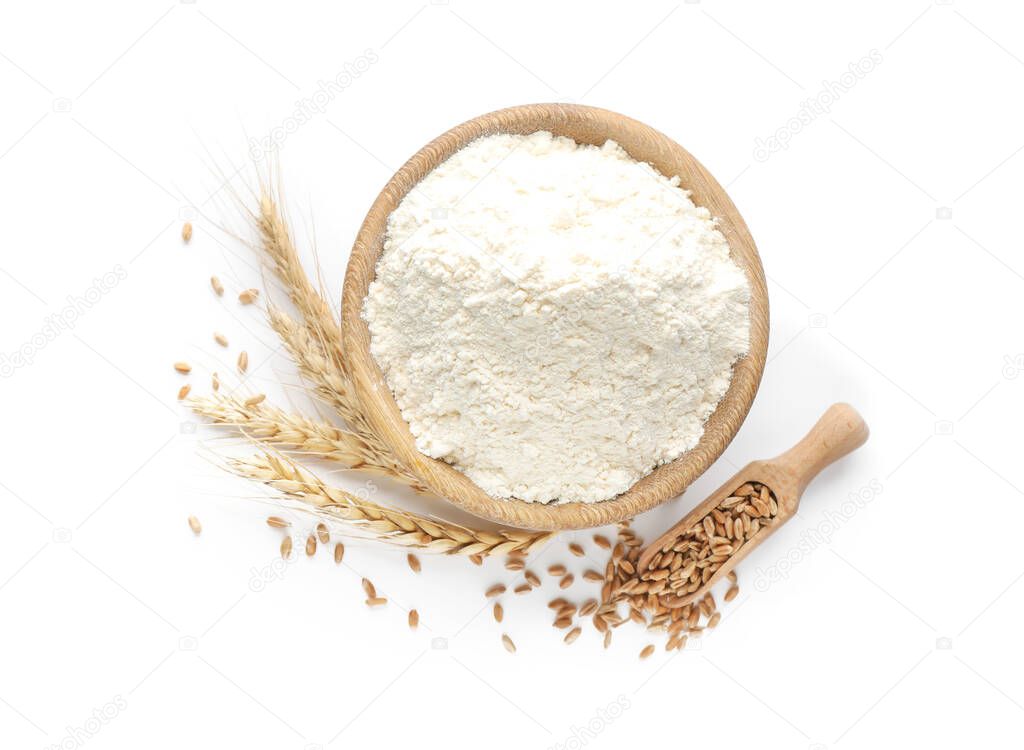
(381, 522)
(316, 348)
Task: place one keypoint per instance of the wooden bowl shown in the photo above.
(584, 125)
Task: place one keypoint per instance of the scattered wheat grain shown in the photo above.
(193, 523)
(184, 391)
(499, 612)
(496, 590)
(414, 619)
(186, 232)
(573, 634)
(217, 286)
(507, 642)
(183, 367)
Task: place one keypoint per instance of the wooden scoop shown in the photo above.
(839, 431)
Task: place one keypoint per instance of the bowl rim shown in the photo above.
(589, 125)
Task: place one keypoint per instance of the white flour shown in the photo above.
(566, 324)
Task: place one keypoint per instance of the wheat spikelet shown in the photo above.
(380, 522)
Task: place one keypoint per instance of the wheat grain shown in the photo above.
(218, 288)
(576, 549)
(566, 581)
(220, 338)
(215, 382)
(183, 367)
(339, 553)
(193, 523)
(277, 522)
(286, 547)
(523, 588)
(322, 534)
(573, 634)
(532, 578)
(508, 644)
(184, 391)
(499, 612)
(647, 651)
(369, 588)
(186, 232)
(376, 601)
(311, 545)
(248, 296)
(243, 361)
(414, 562)
(414, 619)
(602, 541)
(496, 590)
(255, 400)
(556, 570)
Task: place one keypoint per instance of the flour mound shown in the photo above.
(555, 320)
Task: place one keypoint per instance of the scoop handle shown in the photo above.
(839, 431)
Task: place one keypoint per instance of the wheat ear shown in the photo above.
(380, 522)
(271, 425)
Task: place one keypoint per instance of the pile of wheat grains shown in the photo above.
(660, 597)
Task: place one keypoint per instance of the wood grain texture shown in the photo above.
(584, 125)
(839, 431)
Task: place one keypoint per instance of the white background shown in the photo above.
(889, 229)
